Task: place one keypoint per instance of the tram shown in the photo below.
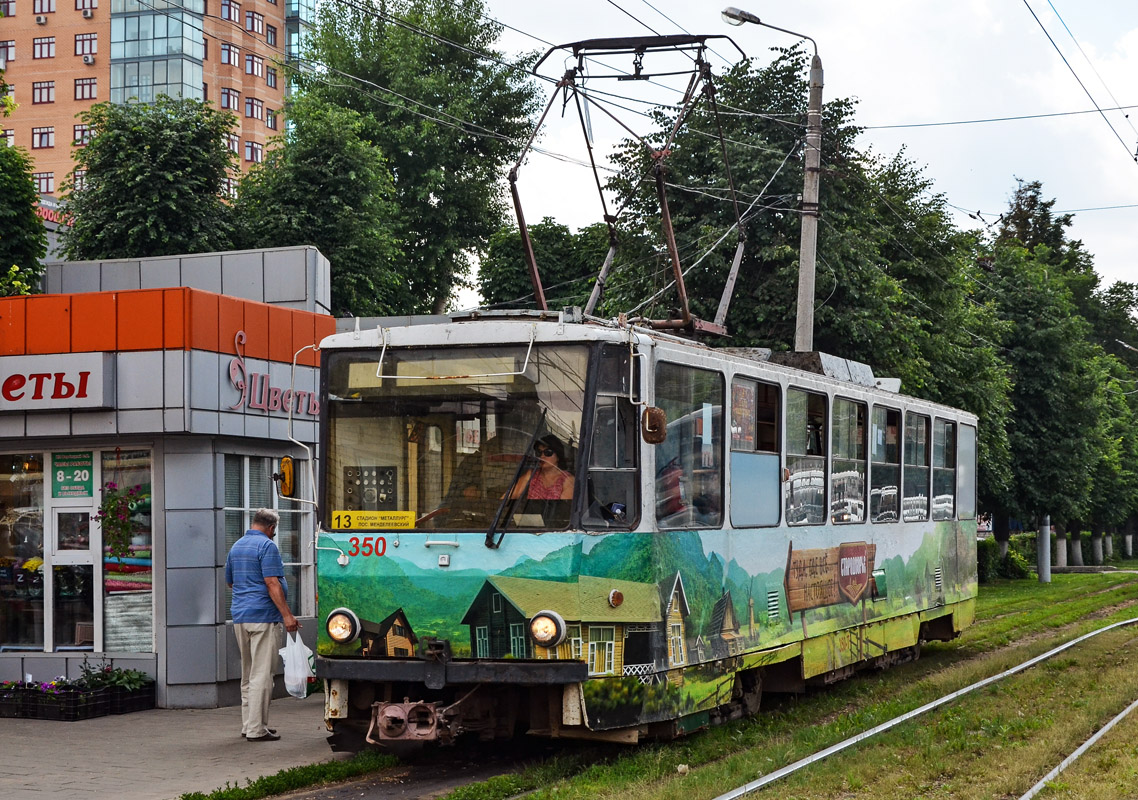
(550, 524)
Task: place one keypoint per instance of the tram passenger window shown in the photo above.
(944, 469)
(613, 499)
(966, 472)
(755, 463)
(885, 465)
(805, 457)
(848, 467)
(915, 498)
(689, 463)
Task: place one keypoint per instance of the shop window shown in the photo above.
(248, 487)
(689, 462)
(22, 568)
(849, 464)
(128, 587)
(915, 494)
(805, 457)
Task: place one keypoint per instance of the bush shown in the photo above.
(1018, 564)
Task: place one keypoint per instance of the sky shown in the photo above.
(906, 63)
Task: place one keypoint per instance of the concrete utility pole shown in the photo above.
(808, 245)
(1043, 550)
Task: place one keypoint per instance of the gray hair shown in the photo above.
(266, 517)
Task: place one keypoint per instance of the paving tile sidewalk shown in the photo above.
(154, 755)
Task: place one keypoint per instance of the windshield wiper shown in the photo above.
(493, 538)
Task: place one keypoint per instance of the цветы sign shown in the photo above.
(55, 382)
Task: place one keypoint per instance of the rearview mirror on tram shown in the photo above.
(654, 425)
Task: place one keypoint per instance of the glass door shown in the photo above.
(21, 552)
(73, 579)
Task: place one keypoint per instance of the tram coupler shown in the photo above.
(422, 721)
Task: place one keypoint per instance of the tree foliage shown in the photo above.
(153, 181)
(446, 112)
(23, 241)
(323, 185)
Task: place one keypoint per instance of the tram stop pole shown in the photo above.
(1043, 550)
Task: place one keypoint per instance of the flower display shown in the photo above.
(114, 516)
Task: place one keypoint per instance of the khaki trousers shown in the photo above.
(258, 643)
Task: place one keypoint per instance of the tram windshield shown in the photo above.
(453, 438)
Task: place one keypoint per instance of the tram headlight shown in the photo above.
(343, 626)
(547, 628)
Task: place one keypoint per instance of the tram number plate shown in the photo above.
(371, 520)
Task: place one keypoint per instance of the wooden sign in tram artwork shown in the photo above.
(827, 576)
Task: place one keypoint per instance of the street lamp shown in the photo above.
(808, 246)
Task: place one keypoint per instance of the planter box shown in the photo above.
(72, 705)
(123, 701)
(13, 702)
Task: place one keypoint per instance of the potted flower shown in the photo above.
(114, 517)
(128, 689)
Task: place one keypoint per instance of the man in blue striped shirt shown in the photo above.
(255, 573)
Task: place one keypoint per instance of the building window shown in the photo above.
(43, 7)
(45, 182)
(229, 188)
(575, 646)
(82, 135)
(602, 650)
(270, 35)
(254, 22)
(86, 88)
(233, 141)
(9, 136)
(248, 486)
(230, 54)
(82, 4)
(79, 182)
(7, 50)
(270, 76)
(676, 644)
(517, 640)
(481, 641)
(231, 10)
(43, 137)
(8, 8)
(43, 47)
(254, 108)
(254, 65)
(230, 98)
(86, 44)
(43, 92)
(254, 152)
(270, 119)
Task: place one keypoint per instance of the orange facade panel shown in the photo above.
(91, 316)
(48, 326)
(13, 328)
(139, 320)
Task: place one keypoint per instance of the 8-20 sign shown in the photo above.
(71, 474)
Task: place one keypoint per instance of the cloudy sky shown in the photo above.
(907, 63)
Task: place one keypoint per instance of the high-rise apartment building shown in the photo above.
(62, 56)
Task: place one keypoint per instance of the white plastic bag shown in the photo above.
(297, 665)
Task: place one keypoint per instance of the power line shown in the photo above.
(1095, 110)
(1079, 80)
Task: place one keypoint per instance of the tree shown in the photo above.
(154, 175)
(447, 113)
(323, 185)
(23, 240)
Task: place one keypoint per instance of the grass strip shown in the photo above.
(362, 763)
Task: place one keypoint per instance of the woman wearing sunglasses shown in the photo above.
(549, 481)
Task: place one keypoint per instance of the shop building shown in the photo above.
(173, 379)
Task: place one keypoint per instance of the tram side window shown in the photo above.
(848, 467)
(915, 498)
(689, 463)
(966, 472)
(613, 480)
(754, 453)
(885, 466)
(805, 457)
(944, 469)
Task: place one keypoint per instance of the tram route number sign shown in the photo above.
(71, 474)
(827, 576)
(371, 520)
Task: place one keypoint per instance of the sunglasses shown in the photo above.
(543, 451)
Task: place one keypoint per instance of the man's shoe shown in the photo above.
(270, 730)
(268, 737)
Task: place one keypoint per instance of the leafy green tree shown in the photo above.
(445, 111)
(153, 183)
(23, 240)
(323, 185)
